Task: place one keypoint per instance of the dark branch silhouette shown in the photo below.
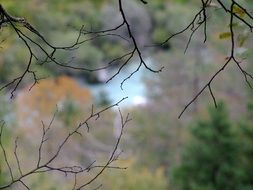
(24, 30)
(46, 166)
(10, 21)
(200, 20)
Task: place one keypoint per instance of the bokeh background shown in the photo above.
(207, 149)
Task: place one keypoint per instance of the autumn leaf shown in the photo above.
(43, 97)
(239, 11)
(224, 35)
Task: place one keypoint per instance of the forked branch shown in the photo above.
(47, 165)
(200, 20)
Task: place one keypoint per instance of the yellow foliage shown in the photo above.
(239, 11)
(225, 35)
(134, 177)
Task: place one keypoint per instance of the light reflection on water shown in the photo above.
(133, 88)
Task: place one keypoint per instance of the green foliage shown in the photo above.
(111, 52)
(135, 178)
(159, 35)
(2, 173)
(6, 139)
(210, 160)
(69, 112)
(158, 4)
(5, 114)
(103, 99)
(69, 16)
(89, 56)
(246, 134)
(183, 1)
(44, 181)
(155, 139)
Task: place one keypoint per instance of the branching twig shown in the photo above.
(48, 166)
(135, 47)
(113, 156)
(11, 21)
(200, 19)
(4, 152)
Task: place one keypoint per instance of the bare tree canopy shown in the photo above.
(41, 52)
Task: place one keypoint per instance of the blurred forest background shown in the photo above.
(207, 149)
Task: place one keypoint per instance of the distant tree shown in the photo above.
(102, 99)
(246, 136)
(41, 51)
(210, 160)
(136, 178)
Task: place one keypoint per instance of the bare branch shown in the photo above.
(47, 166)
(16, 156)
(4, 152)
(199, 19)
(113, 154)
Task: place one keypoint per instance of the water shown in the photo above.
(133, 88)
